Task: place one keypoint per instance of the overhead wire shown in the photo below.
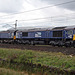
(46, 17)
(34, 19)
(40, 18)
(40, 8)
(6, 23)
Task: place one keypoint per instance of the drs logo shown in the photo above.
(38, 34)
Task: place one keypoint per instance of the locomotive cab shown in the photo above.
(70, 36)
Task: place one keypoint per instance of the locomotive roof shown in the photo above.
(65, 27)
(37, 29)
(24, 29)
(59, 28)
(70, 27)
(4, 31)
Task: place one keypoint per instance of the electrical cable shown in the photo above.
(41, 8)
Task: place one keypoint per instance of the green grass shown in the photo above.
(58, 60)
(4, 71)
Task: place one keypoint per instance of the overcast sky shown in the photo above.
(60, 15)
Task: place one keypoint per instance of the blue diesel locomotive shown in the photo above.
(60, 36)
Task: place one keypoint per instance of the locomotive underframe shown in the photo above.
(47, 41)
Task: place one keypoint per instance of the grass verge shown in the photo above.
(4, 71)
(57, 60)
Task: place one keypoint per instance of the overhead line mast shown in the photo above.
(14, 38)
(15, 25)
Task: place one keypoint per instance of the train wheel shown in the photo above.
(32, 43)
(74, 46)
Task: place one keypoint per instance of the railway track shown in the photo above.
(48, 48)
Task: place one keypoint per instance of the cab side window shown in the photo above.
(24, 34)
(70, 32)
